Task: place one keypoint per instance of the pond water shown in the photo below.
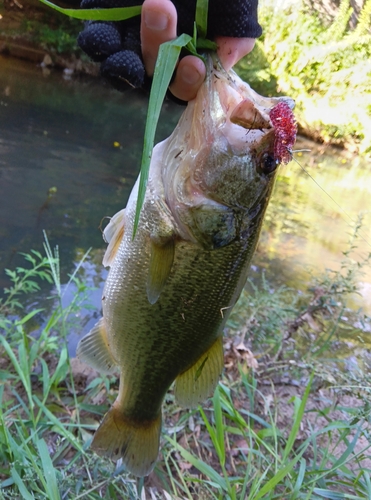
(70, 151)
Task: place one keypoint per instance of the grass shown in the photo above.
(286, 422)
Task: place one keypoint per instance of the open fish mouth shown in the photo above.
(255, 112)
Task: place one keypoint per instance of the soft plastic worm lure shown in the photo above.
(285, 126)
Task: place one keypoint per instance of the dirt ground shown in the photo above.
(275, 401)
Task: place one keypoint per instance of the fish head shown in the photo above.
(227, 147)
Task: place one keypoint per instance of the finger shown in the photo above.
(231, 50)
(158, 25)
(190, 74)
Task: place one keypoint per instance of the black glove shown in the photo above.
(117, 44)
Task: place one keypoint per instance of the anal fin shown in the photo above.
(199, 381)
(93, 349)
(162, 258)
(137, 443)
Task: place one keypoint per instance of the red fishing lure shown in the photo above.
(284, 123)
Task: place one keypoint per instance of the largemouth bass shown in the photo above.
(170, 290)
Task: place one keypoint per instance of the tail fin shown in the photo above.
(137, 443)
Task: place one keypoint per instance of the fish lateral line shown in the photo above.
(291, 152)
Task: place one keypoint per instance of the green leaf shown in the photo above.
(204, 43)
(21, 486)
(298, 418)
(342, 460)
(219, 426)
(329, 494)
(272, 483)
(200, 465)
(21, 369)
(59, 426)
(29, 316)
(165, 65)
(49, 471)
(300, 478)
(202, 7)
(114, 14)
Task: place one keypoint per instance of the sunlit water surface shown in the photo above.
(70, 151)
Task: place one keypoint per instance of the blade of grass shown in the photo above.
(341, 460)
(20, 370)
(114, 14)
(219, 427)
(272, 483)
(202, 7)
(298, 419)
(165, 65)
(28, 316)
(49, 471)
(59, 426)
(210, 430)
(164, 69)
(299, 479)
(199, 464)
(53, 260)
(21, 486)
(333, 495)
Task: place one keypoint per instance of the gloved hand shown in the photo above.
(117, 45)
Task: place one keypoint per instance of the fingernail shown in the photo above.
(155, 20)
(190, 75)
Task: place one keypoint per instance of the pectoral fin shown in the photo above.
(113, 235)
(198, 382)
(162, 258)
(94, 349)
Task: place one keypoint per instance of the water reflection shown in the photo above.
(70, 152)
(309, 222)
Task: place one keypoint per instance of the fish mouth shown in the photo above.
(256, 114)
(247, 115)
(278, 119)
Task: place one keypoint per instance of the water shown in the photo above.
(61, 134)
(70, 152)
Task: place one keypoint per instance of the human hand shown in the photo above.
(121, 51)
(158, 25)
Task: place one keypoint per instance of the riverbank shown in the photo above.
(323, 63)
(33, 32)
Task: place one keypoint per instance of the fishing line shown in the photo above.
(326, 193)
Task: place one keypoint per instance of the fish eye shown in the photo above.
(267, 164)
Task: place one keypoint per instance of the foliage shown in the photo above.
(326, 68)
(24, 281)
(61, 39)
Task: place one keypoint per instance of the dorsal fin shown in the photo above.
(113, 234)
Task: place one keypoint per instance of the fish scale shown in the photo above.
(171, 288)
